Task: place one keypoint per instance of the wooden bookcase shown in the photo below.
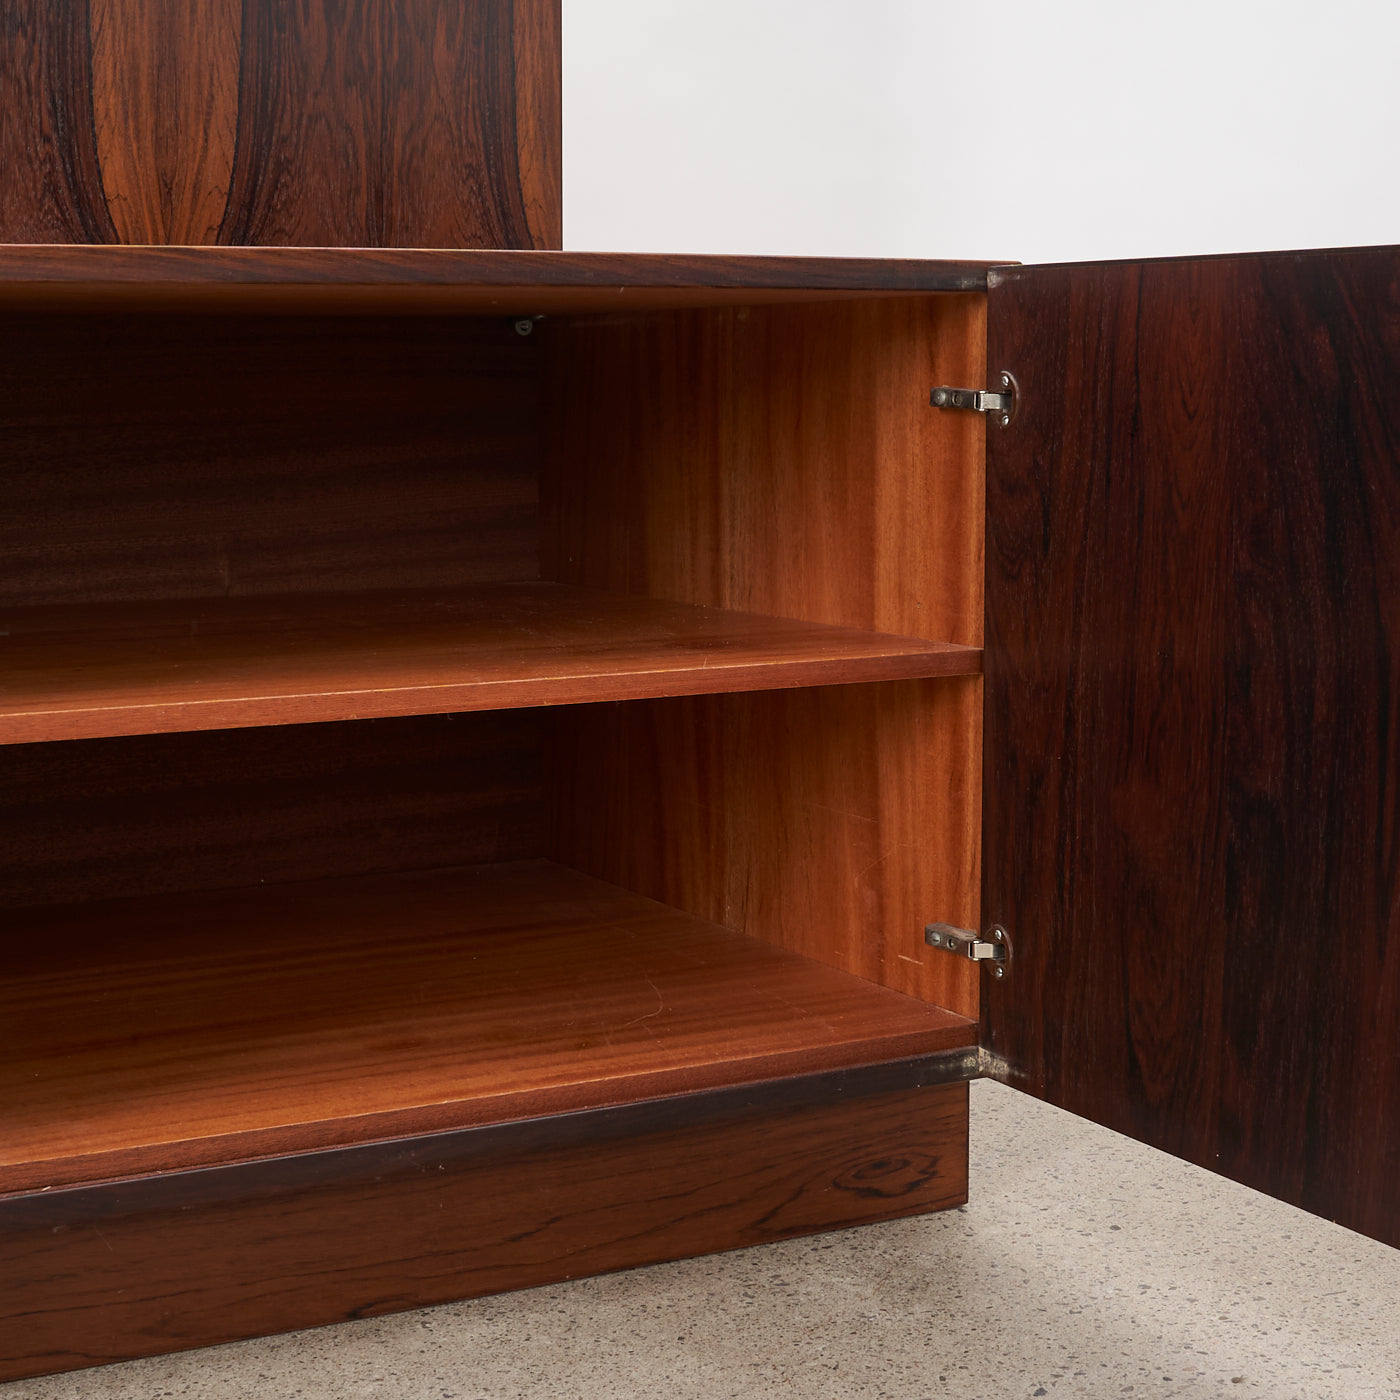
(484, 731)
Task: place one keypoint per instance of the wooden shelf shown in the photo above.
(93, 670)
(455, 281)
(158, 1033)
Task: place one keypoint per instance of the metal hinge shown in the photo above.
(1001, 405)
(994, 949)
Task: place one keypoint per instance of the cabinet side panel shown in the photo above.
(783, 460)
(131, 1269)
(193, 456)
(419, 124)
(779, 460)
(835, 821)
(101, 818)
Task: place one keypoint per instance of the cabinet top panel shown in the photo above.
(446, 281)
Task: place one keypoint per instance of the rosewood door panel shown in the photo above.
(1192, 773)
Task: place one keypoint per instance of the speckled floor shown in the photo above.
(1085, 1265)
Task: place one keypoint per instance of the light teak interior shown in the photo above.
(777, 460)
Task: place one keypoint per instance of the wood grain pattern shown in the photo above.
(157, 1034)
(539, 123)
(468, 167)
(1193, 671)
(325, 123)
(784, 460)
(366, 280)
(311, 117)
(88, 1275)
(217, 663)
(165, 101)
(151, 457)
(105, 818)
(48, 140)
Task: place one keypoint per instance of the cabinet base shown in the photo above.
(104, 1273)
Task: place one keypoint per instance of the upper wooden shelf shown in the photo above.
(92, 670)
(166, 1032)
(446, 281)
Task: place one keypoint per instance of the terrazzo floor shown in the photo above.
(1085, 1265)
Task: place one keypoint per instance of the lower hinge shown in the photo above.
(994, 949)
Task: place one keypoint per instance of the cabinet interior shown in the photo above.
(415, 723)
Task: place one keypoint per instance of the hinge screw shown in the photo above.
(524, 326)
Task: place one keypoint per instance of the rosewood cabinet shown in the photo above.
(486, 730)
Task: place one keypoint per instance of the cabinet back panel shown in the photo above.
(100, 818)
(187, 456)
(779, 459)
(835, 821)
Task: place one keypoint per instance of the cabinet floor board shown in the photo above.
(161, 1033)
(99, 670)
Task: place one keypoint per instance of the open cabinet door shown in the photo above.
(1192, 765)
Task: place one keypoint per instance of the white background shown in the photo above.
(1036, 132)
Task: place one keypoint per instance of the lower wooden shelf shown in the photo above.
(159, 1034)
(253, 1111)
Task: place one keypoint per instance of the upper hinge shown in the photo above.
(1001, 404)
(994, 949)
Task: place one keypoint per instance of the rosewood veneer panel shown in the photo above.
(423, 123)
(90, 1274)
(48, 138)
(1193, 712)
(153, 1034)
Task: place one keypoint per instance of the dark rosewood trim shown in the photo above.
(304, 1171)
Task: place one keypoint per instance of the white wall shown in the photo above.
(921, 128)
